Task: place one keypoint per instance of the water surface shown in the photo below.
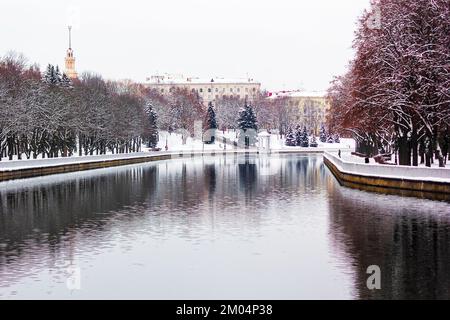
(234, 227)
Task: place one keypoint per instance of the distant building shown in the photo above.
(309, 108)
(210, 90)
(70, 60)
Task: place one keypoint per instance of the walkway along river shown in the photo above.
(232, 227)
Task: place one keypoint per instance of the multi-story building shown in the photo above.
(210, 90)
(307, 108)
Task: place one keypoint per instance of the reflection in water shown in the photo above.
(407, 238)
(218, 227)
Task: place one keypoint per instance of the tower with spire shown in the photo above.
(70, 60)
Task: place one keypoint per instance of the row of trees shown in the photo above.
(181, 108)
(395, 97)
(46, 114)
(299, 137)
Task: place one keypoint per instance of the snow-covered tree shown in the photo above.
(323, 134)
(291, 138)
(248, 125)
(313, 142)
(247, 118)
(304, 138)
(151, 132)
(336, 138)
(46, 115)
(210, 124)
(210, 119)
(227, 112)
(394, 96)
(298, 136)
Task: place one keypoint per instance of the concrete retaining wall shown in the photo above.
(410, 181)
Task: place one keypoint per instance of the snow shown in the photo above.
(175, 147)
(352, 158)
(179, 79)
(354, 165)
(299, 94)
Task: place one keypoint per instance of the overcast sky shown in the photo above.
(285, 44)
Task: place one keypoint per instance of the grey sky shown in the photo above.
(285, 44)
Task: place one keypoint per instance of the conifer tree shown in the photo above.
(323, 134)
(210, 124)
(152, 128)
(304, 138)
(291, 140)
(247, 121)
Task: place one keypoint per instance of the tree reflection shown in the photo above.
(404, 237)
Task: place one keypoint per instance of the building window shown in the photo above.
(217, 89)
(254, 89)
(231, 89)
(209, 89)
(239, 89)
(217, 96)
(162, 90)
(201, 90)
(246, 89)
(224, 96)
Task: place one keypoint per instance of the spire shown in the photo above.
(70, 37)
(70, 60)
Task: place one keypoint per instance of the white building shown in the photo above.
(210, 89)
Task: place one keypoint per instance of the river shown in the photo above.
(223, 227)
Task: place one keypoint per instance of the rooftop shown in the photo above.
(179, 79)
(298, 93)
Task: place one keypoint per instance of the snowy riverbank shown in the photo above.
(353, 165)
(175, 149)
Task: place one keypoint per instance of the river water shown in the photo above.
(223, 227)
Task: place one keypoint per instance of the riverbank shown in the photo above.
(431, 183)
(20, 169)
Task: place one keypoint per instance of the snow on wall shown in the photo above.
(389, 171)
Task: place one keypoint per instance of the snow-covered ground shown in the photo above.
(355, 165)
(175, 144)
(352, 158)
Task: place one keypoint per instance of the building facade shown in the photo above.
(307, 108)
(209, 90)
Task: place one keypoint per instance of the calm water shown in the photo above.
(232, 227)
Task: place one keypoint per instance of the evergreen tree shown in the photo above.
(247, 121)
(247, 118)
(58, 78)
(330, 139)
(52, 75)
(291, 138)
(298, 136)
(323, 134)
(49, 75)
(210, 122)
(210, 125)
(151, 134)
(304, 138)
(65, 81)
